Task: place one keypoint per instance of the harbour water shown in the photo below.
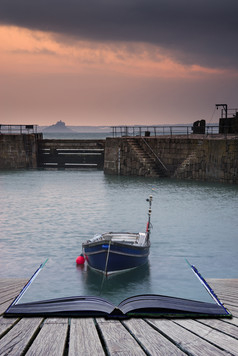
(48, 214)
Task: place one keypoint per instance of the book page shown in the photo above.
(170, 277)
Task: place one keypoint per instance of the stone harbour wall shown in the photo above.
(211, 160)
(203, 158)
(18, 151)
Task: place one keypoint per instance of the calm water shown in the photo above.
(48, 214)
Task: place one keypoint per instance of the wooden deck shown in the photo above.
(78, 336)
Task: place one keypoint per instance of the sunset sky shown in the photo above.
(117, 62)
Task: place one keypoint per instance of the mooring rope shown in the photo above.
(108, 251)
(105, 270)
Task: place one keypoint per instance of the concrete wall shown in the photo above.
(214, 159)
(18, 151)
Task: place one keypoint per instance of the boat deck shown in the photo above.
(97, 336)
(119, 237)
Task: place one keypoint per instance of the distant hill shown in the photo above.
(59, 127)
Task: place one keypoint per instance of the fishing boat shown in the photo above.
(118, 251)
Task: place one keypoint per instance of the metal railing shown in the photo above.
(156, 156)
(18, 129)
(230, 113)
(120, 131)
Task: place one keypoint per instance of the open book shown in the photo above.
(143, 305)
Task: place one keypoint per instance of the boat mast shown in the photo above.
(149, 215)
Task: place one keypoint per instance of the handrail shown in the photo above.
(18, 129)
(168, 130)
(230, 113)
(155, 155)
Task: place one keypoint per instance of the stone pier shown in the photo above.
(184, 157)
(196, 157)
(19, 151)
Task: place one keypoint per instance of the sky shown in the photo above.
(117, 62)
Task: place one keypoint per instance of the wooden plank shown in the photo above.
(221, 326)
(4, 306)
(84, 338)
(223, 341)
(233, 321)
(57, 321)
(5, 297)
(230, 300)
(6, 321)
(225, 281)
(151, 340)
(130, 337)
(232, 307)
(226, 290)
(10, 288)
(226, 285)
(10, 285)
(118, 340)
(227, 296)
(13, 281)
(9, 292)
(233, 311)
(186, 340)
(51, 339)
(16, 341)
(6, 324)
(229, 291)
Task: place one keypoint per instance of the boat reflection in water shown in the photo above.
(116, 287)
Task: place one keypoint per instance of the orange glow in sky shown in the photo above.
(24, 52)
(46, 78)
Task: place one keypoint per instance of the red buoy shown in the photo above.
(80, 260)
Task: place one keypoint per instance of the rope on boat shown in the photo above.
(108, 251)
(105, 270)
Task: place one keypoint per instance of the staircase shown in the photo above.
(150, 163)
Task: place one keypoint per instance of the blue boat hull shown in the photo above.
(115, 257)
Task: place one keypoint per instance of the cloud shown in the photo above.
(24, 50)
(35, 51)
(193, 32)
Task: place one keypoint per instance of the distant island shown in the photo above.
(59, 127)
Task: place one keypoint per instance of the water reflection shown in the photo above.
(115, 287)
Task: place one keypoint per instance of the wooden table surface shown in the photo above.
(97, 336)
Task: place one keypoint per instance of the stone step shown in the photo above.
(145, 159)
